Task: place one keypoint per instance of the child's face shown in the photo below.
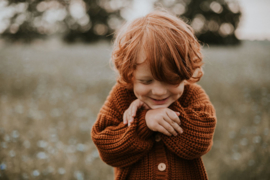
(154, 93)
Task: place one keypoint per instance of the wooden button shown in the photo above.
(161, 167)
(157, 138)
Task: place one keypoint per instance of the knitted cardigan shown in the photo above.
(136, 152)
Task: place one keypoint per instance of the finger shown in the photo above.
(130, 121)
(168, 127)
(177, 113)
(162, 130)
(176, 126)
(125, 117)
(129, 118)
(134, 110)
(172, 115)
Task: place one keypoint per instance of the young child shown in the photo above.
(156, 122)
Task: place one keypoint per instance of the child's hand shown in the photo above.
(130, 113)
(164, 120)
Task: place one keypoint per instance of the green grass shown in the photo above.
(50, 94)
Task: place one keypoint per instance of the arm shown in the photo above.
(120, 145)
(130, 113)
(198, 121)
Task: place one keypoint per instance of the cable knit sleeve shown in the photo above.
(198, 120)
(120, 145)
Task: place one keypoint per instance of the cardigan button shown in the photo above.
(157, 138)
(161, 167)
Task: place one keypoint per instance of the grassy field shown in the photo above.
(50, 94)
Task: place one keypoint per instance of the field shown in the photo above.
(50, 94)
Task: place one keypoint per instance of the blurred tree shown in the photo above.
(16, 21)
(214, 21)
(87, 20)
(104, 18)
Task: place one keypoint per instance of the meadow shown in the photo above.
(51, 92)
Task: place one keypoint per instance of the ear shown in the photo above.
(197, 72)
(186, 82)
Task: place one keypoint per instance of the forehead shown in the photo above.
(142, 67)
(142, 70)
(141, 56)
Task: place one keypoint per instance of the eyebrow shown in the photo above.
(144, 77)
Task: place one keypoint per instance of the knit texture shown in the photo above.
(134, 151)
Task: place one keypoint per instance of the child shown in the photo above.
(156, 122)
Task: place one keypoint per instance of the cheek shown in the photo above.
(178, 91)
(140, 90)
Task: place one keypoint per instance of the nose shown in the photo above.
(159, 89)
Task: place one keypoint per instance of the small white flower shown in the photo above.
(244, 142)
(3, 166)
(78, 175)
(12, 153)
(42, 155)
(236, 156)
(42, 144)
(35, 173)
(81, 147)
(15, 134)
(257, 139)
(61, 171)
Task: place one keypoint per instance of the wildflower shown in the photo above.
(3, 166)
(42, 144)
(61, 171)
(35, 173)
(42, 155)
(15, 134)
(81, 147)
(78, 175)
(12, 153)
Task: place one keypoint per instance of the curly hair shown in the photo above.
(169, 44)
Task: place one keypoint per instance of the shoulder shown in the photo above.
(120, 96)
(193, 93)
(120, 92)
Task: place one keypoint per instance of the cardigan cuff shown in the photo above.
(143, 131)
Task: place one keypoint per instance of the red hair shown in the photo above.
(169, 44)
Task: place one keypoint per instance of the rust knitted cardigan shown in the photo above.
(136, 152)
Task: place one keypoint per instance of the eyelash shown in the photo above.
(146, 82)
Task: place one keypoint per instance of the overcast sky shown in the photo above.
(255, 22)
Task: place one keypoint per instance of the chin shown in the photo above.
(159, 106)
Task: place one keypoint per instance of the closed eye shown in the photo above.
(146, 81)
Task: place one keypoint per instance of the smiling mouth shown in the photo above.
(159, 99)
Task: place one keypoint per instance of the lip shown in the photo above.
(159, 101)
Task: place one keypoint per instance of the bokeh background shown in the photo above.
(55, 75)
